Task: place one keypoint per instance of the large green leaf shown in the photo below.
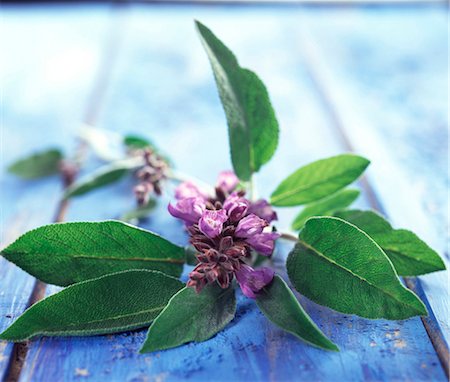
(104, 176)
(108, 304)
(325, 207)
(319, 179)
(38, 165)
(280, 306)
(410, 255)
(252, 125)
(66, 253)
(338, 265)
(191, 317)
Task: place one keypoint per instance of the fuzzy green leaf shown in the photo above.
(280, 306)
(191, 317)
(66, 253)
(338, 265)
(102, 177)
(108, 304)
(252, 125)
(318, 180)
(410, 255)
(325, 207)
(136, 142)
(37, 165)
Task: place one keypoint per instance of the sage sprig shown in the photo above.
(121, 277)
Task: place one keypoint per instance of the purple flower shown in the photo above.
(252, 281)
(211, 222)
(264, 210)
(250, 225)
(236, 207)
(189, 190)
(227, 181)
(189, 210)
(263, 242)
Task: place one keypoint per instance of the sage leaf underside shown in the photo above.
(325, 207)
(410, 255)
(318, 180)
(337, 265)
(191, 317)
(66, 253)
(280, 306)
(252, 124)
(37, 165)
(102, 177)
(109, 304)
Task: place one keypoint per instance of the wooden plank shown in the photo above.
(164, 88)
(41, 105)
(391, 65)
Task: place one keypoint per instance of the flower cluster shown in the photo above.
(224, 229)
(150, 176)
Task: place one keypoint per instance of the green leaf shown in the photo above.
(38, 165)
(104, 176)
(66, 253)
(140, 212)
(191, 317)
(136, 142)
(280, 306)
(325, 207)
(338, 265)
(108, 304)
(319, 179)
(191, 258)
(252, 125)
(410, 255)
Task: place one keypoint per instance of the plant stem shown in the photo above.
(288, 236)
(252, 188)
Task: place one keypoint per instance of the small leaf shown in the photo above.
(191, 317)
(108, 304)
(410, 255)
(324, 207)
(338, 265)
(136, 142)
(140, 212)
(66, 253)
(280, 306)
(252, 125)
(38, 165)
(104, 176)
(319, 179)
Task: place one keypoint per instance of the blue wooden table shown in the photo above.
(372, 80)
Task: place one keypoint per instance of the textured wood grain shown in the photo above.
(163, 87)
(44, 86)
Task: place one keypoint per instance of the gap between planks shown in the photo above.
(93, 108)
(313, 66)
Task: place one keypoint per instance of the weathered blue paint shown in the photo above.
(162, 86)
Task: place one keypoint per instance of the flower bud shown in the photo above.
(236, 207)
(263, 242)
(252, 281)
(249, 226)
(211, 222)
(264, 210)
(227, 181)
(190, 210)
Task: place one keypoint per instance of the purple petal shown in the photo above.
(249, 226)
(227, 181)
(252, 281)
(264, 210)
(190, 210)
(189, 190)
(236, 207)
(263, 243)
(211, 222)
